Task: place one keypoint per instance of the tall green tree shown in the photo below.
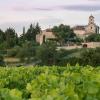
(37, 28)
(11, 37)
(32, 32)
(22, 38)
(2, 36)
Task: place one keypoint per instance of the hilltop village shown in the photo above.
(80, 31)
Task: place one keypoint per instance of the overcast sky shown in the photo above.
(19, 13)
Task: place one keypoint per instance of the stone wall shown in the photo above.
(92, 44)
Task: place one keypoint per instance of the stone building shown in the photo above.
(45, 35)
(91, 28)
(81, 31)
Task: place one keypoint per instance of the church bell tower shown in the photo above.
(91, 20)
(91, 27)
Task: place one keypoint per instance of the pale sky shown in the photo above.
(19, 13)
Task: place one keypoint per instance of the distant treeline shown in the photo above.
(29, 51)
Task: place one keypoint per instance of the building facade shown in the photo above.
(45, 35)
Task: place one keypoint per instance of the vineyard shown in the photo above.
(50, 83)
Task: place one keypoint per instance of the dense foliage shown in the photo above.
(87, 56)
(48, 54)
(22, 47)
(9, 39)
(31, 33)
(25, 50)
(50, 83)
(93, 38)
(64, 34)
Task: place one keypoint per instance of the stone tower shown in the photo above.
(91, 20)
(92, 27)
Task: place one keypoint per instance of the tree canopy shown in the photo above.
(11, 37)
(93, 38)
(46, 53)
(64, 33)
(32, 32)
